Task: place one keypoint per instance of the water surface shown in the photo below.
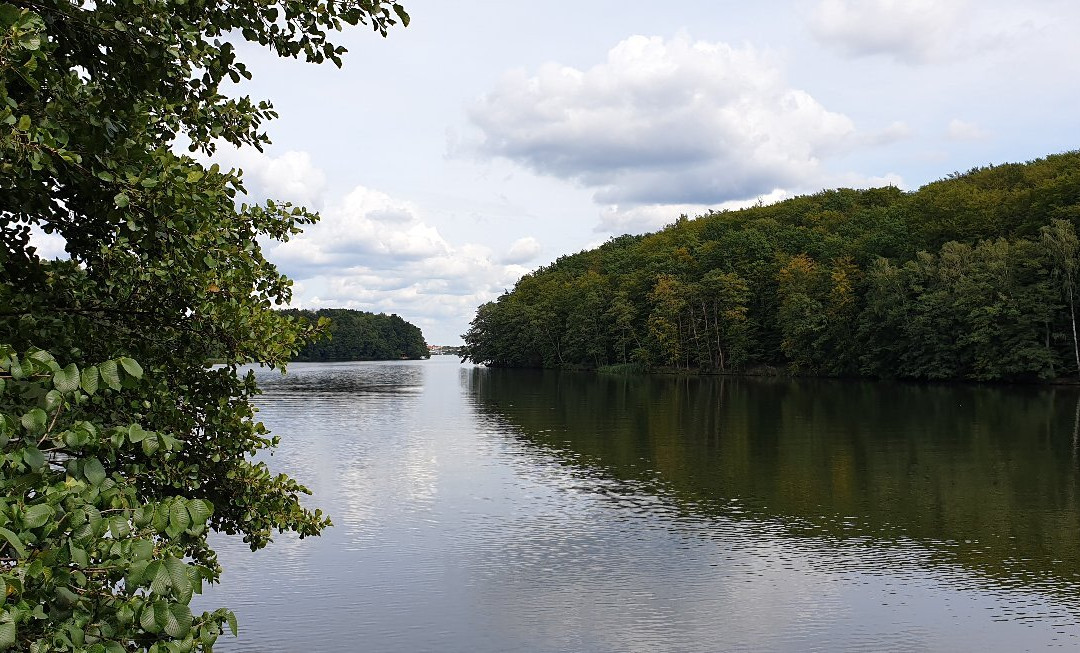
(498, 510)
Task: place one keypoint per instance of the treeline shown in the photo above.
(970, 277)
(359, 335)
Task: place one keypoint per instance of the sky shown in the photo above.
(489, 138)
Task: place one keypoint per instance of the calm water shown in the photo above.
(491, 510)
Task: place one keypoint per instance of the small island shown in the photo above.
(361, 336)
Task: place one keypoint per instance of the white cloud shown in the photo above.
(522, 250)
(616, 219)
(960, 130)
(664, 122)
(374, 252)
(291, 176)
(861, 181)
(48, 246)
(912, 31)
(895, 132)
(365, 229)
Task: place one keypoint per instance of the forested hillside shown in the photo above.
(358, 335)
(970, 277)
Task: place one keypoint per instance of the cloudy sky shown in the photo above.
(489, 138)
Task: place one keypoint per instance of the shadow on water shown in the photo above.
(983, 477)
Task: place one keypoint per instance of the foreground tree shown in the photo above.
(121, 448)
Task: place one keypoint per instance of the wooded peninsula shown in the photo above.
(971, 277)
(361, 336)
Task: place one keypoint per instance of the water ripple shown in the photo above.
(470, 521)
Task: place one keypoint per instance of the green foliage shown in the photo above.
(124, 451)
(359, 335)
(89, 559)
(972, 277)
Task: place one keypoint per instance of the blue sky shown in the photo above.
(489, 138)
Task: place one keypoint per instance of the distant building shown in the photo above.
(444, 350)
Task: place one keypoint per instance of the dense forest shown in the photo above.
(970, 277)
(362, 336)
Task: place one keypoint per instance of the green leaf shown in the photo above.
(53, 399)
(38, 515)
(66, 596)
(131, 367)
(136, 434)
(33, 457)
(35, 421)
(161, 517)
(109, 374)
(178, 576)
(24, 123)
(79, 556)
(119, 527)
(7, 634)
(159, 578)
(147, 620)
(30, 41)
(230, 618)
(400, 11)
(178, 516)
(199, 510)
(178, 620)
(151, 445)
(94, 471)
(14, 541)
(67, 379)
(16, 369)
(121, 200)
(142, 550)
(143, 515)
(136, 575)
(88, 379)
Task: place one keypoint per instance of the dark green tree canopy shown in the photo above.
(970, 277)
(361, 336)
(121, 447)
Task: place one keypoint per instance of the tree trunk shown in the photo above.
(708, 344)
(1076, 347)
(719, 346)
(1049, 352)
(1076, 429)
(693, 330)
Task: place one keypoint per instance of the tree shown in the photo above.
(121, 447)
(668, 301)
(726, 294)
(802, 316)
(1060, 241)
(883, 322)
(359, 335)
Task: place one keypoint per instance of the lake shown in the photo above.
(508, 510)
